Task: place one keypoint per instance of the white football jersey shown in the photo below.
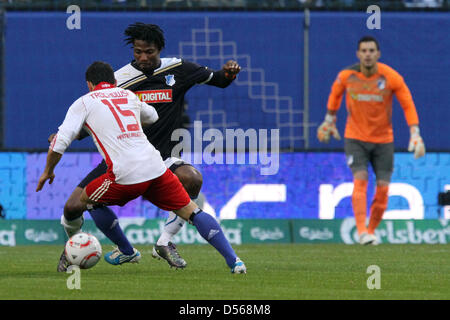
(113, 118)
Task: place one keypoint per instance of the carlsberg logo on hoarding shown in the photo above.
(139, 233)
(41, 236)
(266, 234)
(142, 231)
(315, 234)
(402, 232)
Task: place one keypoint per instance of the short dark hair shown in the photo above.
(369, 39)
(100, 71)
(150, 33)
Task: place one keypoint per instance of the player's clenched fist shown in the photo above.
(327, 129)
(231, 69)
(416, 144)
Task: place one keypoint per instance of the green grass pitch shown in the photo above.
(275, 272)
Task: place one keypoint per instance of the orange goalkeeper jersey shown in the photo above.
(369, 102)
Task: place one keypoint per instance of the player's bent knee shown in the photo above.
(74, 208)
(383, 179)
(191, 179)
(360, 175)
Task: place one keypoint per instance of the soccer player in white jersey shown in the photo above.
(162, 83)
(112, 116)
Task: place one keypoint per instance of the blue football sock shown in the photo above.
(106, 220)
(211, 231)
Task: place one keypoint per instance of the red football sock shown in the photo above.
(359, 203)
(378, 207)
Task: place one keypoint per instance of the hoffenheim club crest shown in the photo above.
(381, 84)
(170, 79)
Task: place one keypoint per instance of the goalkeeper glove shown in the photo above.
(327, 129)
(416, 144)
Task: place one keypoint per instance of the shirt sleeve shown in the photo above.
(148, 113)
(70, 128)
(195, 73)
(405, 99)
(336, 94)
(218, 79)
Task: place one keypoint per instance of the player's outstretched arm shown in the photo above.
(225, 76)
(67, 132)
(404, 96)
(416, 143)
(328, 128)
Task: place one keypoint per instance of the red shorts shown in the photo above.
(165, 192)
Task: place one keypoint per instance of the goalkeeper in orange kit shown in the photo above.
(369, 86)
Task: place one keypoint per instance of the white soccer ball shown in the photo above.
(83, 250)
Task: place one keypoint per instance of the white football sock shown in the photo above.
(72, 227)
(173, 225)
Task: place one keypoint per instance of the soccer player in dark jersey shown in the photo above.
(162, 83)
